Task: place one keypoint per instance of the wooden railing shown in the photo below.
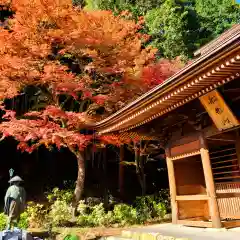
(225, 164)
(228, 198)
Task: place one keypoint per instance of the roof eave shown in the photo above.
(199, 65)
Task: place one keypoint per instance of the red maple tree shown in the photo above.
(77, 65)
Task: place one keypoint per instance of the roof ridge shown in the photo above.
(219, 40)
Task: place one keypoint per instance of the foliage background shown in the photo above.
(178, 27)
(90, 213)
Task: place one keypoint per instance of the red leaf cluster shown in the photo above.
(110, 41)
(51, 126)
(44, 31)
(155, 74)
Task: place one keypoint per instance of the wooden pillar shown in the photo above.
(121, 171)
(208, 175)
(237, 145)
(172, 186)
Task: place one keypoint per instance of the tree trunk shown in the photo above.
(139, 161)
(138, 167)
(143, 176)
(80, 180)
(121, 172)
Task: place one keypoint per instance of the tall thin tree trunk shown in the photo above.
(80, 180)
(121, 172)
(139, 161)
(143, 176)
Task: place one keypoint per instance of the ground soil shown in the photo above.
(87, 233)
(82, 233)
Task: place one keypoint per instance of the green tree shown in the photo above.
(177, 27)
(105, 4)
(216, 16)
(174, 28)
(137, 8)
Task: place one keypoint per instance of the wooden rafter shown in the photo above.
(135, 136)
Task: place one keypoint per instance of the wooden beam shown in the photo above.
(228, 178)
(186, 155)
(208, 175)
(221, 139)
(228, 195)
(192, 197)
(184, 149)
(195, 223)
(225, 136)
(213, 131)
(231, 224)
(172, 186)
(177, 141)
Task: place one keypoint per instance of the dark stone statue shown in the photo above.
(15, 200)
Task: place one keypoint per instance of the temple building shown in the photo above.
(195, 117)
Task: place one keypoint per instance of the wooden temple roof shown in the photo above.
(218, 63)
(217, 42)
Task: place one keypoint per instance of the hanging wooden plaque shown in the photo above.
(218, 110)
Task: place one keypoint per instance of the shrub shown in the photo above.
(164, 197)
(94, 218)
(35, 215)
(82, 208)
(159, 209)
(83, 219)
(98, 215)
(144, 208)
(93, 215)
(61, 195)
(3, 221)
(24, 221)
(124, 214)
(60, 213)
(149, 207)
(109, 219)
